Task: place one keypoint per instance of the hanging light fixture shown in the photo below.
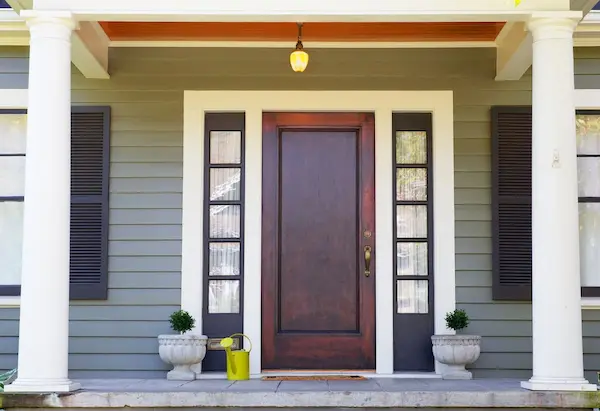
(299, 57)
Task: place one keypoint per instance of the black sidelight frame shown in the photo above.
(413, 331)
(219, 325)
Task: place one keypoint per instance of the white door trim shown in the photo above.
(383, 104)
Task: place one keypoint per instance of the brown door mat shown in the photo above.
(312, 377)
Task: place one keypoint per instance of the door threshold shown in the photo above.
(221, 375)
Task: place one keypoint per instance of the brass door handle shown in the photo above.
(367, 250)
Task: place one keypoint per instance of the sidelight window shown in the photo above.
(412, 215)
(224, 222)
(223, 231)
(413, 234)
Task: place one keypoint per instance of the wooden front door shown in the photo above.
(318, 222)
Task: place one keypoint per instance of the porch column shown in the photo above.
(556, 303)
(44, 319)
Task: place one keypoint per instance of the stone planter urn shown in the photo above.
(456, 351)
(182, 351)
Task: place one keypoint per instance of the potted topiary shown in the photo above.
(182, 350)
(456, 351)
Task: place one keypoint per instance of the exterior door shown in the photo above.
(318, 221)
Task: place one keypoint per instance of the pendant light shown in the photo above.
(299, 58)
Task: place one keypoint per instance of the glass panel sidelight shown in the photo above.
(411, 147)
(223, 296)
(225, 147)
(412, 296)
(225, 184)
(224, 259)
(411, 184)
(225, 221)
(411, 221)
(411, 259)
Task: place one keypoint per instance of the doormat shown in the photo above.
(313, 377)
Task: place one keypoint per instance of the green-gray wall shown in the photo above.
(118, 337)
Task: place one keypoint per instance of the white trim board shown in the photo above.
(383, 104)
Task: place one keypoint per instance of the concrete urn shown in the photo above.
(182, 351)
(456, 351)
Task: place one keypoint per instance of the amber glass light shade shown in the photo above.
(299, 60)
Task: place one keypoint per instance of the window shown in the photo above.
(588, 188)
(13, 126)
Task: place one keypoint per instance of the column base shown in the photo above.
(30, 385)
(558, 384)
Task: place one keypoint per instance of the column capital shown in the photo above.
(545, 26)
(35, 18)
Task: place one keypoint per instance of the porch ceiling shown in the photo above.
(318, 31)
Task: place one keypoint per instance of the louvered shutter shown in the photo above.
(90, 127)
(511, 203)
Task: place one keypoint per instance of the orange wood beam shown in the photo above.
(326, 32)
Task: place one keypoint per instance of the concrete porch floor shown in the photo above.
(369, 393)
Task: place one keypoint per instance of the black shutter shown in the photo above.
(511, 203)
(90, 129)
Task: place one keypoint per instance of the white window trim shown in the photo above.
(12, 99)
(383, 104)
(588, 99)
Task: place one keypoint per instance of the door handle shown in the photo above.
(367, 250)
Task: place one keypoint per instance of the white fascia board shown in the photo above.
(306, 11)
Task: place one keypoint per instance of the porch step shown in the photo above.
(373, 393)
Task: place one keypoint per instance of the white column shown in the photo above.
(44, 320)
(556, 305)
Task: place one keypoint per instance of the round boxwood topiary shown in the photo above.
(181, 321)
(457, 320)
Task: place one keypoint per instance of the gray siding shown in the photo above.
(118, 336)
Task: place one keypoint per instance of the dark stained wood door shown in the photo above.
(318, 301)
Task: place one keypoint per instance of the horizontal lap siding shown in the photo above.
(118, 336)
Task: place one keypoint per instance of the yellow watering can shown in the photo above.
(238, 361)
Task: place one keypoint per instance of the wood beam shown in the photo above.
(514, 54)
(89, 51)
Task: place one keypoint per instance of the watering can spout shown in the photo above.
(238, 361)
(226, 343)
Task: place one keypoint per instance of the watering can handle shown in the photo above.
(243, 335)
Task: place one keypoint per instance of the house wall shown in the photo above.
(118, 336)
